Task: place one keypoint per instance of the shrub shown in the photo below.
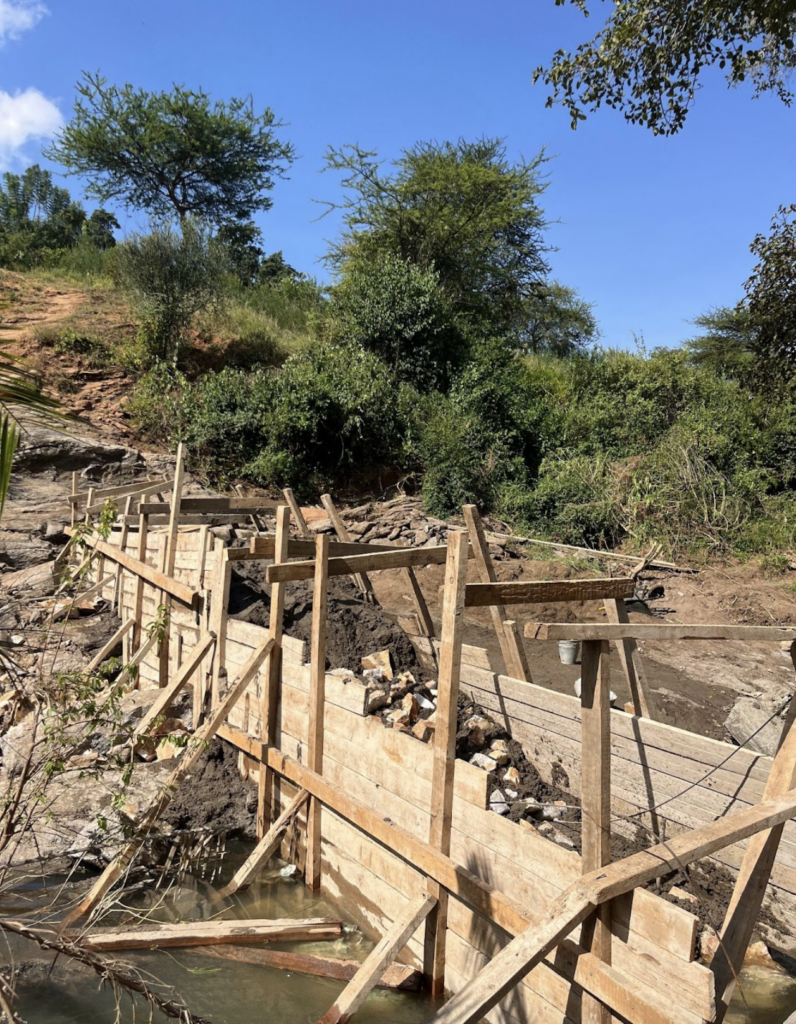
(156, 403)
(169, 278)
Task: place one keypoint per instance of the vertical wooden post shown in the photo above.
(450, 662)
(73, 504)
(362, 579)
(421, 607)
(320, 598)
(755, 872)
(118, 591)
(89, 503)
(222, 579)
(510, 643)
(632, 665)
(595, 705)
(270, 695)
(170, 558)
(138, 603)
(298, 515)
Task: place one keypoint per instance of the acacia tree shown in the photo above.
(172, 153)
(461, 210)
(647, 58)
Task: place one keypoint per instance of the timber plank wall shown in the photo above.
(390, 772)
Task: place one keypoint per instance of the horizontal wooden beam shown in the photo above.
(496, 907)
(481, 595)
(210, 505)
(185, 595)
(211, 933)
(264, 547)
(398, 558)
(396, 976)
(654, 631)
(121, 490)
(591, 552)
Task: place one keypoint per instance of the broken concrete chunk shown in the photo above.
(402, 684)
(551, 813)
(345, 674)
(561, 840)
(483, 761)
(377, 699)
(498, 802)
(382, 660)
(748, 724)
(373, 676)
(399, 717)
(499, 752)
(172, 746)
(423, 730)
(145, 749)
(531, 806)
(682, 894)
(411, 706)
(425, 703)
(511, 777)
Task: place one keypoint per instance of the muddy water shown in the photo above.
(235, 993)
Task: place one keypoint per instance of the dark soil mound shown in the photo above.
(353, 629)
(217, 797)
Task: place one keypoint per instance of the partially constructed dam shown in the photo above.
(359, 784)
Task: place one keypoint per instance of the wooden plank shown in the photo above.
(209, 506)
(174, 511)
(117, 592)
(165, 698)
(526, 950)
(136, 662)
(297, 514)
(270, 696)
(632, 665)
(397, 976)
(182, 593)
(753, 877)
(320, 600)
(210, 933)
(425, 622)
(444, 763)
(585, 551)
(263, 547)
(193, 751)
(79, 499)
(266, 847)
(596, 802)
(481, 595)
(360, 579)
(219, 614)
(655, 631)
(73, 499)
(509, 647)
(494, 906)
(358, 565)
(106, 649)
(377, 961)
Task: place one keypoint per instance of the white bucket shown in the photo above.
(568, 651)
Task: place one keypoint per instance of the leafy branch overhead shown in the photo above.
(647, 59)
(172, 153)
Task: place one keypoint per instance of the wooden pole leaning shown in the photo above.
(219, 613)
(632, 665)
(320, 600)
(362, 580)
(510, 644)
(379, 959)
(595, 703)
(755, 871)
(170, 558)
(118, 591)
(194, 750)
(73, 504)
(298, 515)
(450, 662)
(270, 696)
(138, 598)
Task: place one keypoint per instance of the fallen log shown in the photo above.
(211, 933)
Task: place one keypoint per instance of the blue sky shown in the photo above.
(652, 231)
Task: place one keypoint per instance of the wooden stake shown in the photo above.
(138, 600)
(632, 665)
(119, 589)
(298, 515)
(73, 504)
(450, 661)
(421, 607)
(595, 702)
(103, 653)
(510, 644)
(266, 848)
(193, 751)
(170, 556)
(320, 598)
(219, 613)
(755, 872)
(270, 695)
(380, 957)
(165, 698)
(361, 579)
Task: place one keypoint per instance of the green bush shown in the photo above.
(170, 277)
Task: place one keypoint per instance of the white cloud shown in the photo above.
(18, 16)
(25, 116)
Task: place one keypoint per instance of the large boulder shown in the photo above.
(749, 723)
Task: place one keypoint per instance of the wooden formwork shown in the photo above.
(509, 924)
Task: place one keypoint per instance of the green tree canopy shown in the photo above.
(558, 321)
(771, 296)
(459, 209)
(647, 58)
(172, 152)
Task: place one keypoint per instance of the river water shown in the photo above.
(234, 993)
